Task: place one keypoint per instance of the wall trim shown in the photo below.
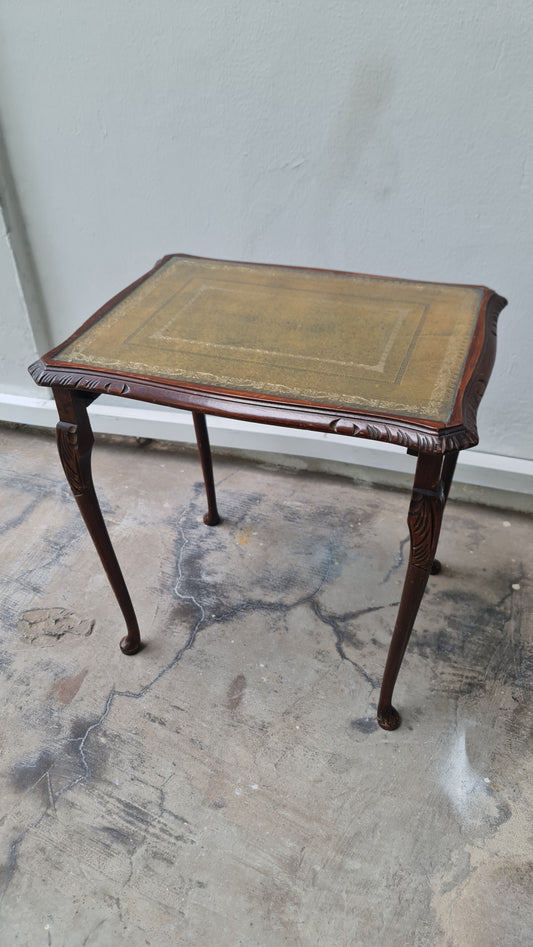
(489, 479)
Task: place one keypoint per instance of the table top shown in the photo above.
(315, 348)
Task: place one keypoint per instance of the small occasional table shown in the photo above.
(391, 360)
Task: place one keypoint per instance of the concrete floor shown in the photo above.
(228, 785)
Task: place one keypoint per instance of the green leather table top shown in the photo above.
(392, 346)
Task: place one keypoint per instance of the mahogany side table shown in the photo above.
(387, 359)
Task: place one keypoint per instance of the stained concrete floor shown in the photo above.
(228, 785)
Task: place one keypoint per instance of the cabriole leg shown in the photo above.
(211, 518)
(74, 441)
(424, 519)
(448, 470)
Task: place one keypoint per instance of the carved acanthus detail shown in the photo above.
(51, 377)
(411, 439)
(345, 426)
(425, 516)
(69, 453)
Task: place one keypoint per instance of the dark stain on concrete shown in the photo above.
(52, 774)
(235, 692)
(34, 775)
(398, 560)
(79, 728)
(205, 594)
(255, 532)
(86, 746)
(365, 725)
(123, 839)
(475, 643)
(24, 515)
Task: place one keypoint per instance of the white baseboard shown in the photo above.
(490, 479)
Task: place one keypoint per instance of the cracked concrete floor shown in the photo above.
(228, 785)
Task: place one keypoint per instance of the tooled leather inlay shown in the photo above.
(390, 346)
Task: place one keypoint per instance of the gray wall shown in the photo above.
(389, 137)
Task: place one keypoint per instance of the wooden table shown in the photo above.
(386, 359)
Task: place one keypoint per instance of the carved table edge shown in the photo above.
(412, 434)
